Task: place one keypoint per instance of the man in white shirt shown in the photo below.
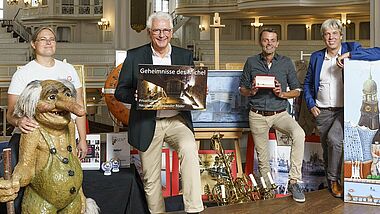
(147, 130)
(323, 92)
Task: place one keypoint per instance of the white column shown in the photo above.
(205, 22)
(119, 21)
(343, 18)
(375, 23)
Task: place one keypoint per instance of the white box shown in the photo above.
(117, 146)
(92, 159)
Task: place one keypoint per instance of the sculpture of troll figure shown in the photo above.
(48, 164)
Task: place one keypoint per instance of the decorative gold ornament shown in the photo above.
(229, 190)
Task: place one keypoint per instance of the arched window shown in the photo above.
(63, 34)
(296, 32)
(161, 5)
(364, 30)
(316, 32)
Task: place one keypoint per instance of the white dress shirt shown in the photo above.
(330, 91)
(166, 60)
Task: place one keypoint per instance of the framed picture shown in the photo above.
(226, 108)
(92, 159)
(211, 166)
(165, 169)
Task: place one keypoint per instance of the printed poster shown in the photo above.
(171, 87)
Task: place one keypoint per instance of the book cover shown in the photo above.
(171, 87)
(92, 159)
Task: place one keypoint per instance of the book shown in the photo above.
(171, 87)
(92, 159)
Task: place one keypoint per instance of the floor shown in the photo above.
(316, 202)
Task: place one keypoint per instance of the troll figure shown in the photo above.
(48, 164)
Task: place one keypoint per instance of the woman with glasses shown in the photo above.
(44, 66)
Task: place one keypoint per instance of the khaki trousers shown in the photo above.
(178, 136)
(283, 122)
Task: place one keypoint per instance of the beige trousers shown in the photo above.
(178, 136)
(283, 122)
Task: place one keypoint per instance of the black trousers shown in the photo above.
(14, 144)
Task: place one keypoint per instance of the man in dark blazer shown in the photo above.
(323, 92)
(147, 130)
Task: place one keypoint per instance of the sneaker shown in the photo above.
(296, 191)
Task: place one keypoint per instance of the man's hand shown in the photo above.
(277, 89)
(8, 189)
(82, 148)
(136, 95)
(26, 125)
(253, 88)
(340, 59)
(315, 111)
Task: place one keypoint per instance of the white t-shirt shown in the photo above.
(34, 71)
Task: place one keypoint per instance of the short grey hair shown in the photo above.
(332, 24)
(161, 16)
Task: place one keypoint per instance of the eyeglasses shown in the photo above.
(45, 41)
(165, 31)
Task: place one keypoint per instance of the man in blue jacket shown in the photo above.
(323, 92)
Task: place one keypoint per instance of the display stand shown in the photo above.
(228, 134)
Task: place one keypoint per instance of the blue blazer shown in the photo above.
(312, 78)
(142, 123)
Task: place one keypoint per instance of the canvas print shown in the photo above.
(361, 132)
(211, 168)
(313, 174)
(173, 87)
(226, 108)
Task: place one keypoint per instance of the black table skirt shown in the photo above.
(118, 193)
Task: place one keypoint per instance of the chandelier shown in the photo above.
(103, 24)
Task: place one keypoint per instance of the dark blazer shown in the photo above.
(142, 124)
(312, 78)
